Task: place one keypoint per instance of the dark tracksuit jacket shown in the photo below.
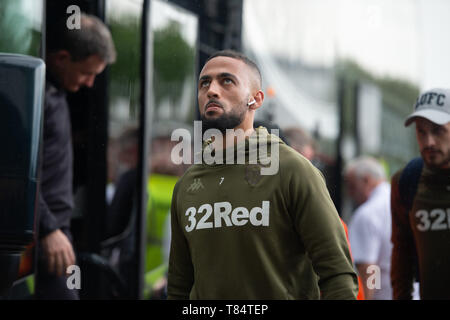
(237, 234)
(424, 232)
(56, 199)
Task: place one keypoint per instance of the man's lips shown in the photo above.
(431, 152)
(212, 106)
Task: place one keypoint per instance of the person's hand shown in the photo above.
(58, 251)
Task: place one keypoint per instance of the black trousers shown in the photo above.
(51, 287)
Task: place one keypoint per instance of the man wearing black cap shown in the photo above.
(420, 201)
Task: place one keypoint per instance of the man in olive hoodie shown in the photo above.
(239, 232)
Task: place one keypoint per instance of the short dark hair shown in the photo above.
(239, 56)
(298, 138)
(93, 38)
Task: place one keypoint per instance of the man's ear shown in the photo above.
(61, 57)
(259, 98)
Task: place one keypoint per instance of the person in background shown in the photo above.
(304, 144)
(370, 225)
(420, 204)
(74, 58)
(122, 156)
(163, 176)
(300, 141)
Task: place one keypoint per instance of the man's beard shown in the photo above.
(223, 122)
(435, 162)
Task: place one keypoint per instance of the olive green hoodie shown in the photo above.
(238, 234)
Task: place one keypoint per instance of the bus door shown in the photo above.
(110, 133)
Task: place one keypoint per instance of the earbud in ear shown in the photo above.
(250, 103)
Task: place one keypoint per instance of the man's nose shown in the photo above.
(429, 140)
(90, 81)
(213, 90)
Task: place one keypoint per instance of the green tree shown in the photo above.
(173, 61)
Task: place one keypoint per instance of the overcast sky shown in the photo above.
(402, 38)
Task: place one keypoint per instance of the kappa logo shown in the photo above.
(196, 185)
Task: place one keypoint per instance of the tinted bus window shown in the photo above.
(175, 33)
(124, 19)
(124, 88)
(21, 26)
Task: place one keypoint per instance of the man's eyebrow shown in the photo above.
(205, 77)
(220, 75)
(227, 75)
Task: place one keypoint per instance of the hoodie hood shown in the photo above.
(258, 148)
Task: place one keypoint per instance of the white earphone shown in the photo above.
(250, 103)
